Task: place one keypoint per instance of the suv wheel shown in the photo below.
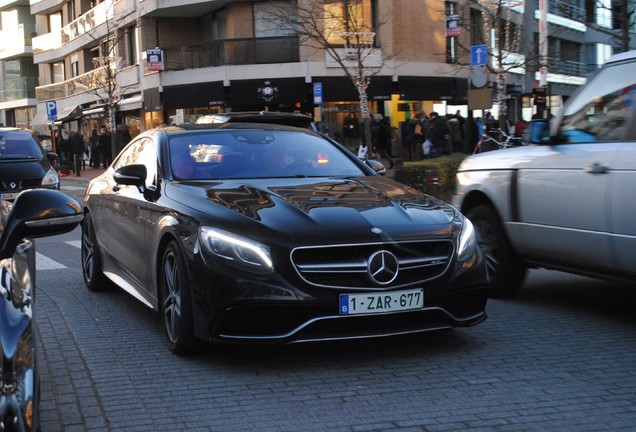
(504, 270)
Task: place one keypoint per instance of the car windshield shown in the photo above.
(19, 145)
(234, 154)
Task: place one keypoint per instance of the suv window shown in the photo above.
(603, 109)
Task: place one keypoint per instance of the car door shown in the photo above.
(622, 196)
(566, 196)
(124, 219)
(561, 205)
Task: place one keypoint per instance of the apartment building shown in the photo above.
(167, 61)
(18, 75)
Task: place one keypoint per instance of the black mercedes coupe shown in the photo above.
(261, 233)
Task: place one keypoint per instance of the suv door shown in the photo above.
(588, 176)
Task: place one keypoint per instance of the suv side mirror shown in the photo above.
(37, 213)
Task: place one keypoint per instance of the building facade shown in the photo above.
(170, 61)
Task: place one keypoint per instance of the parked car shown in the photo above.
(35, 213)
(566, 201)
(285, 237)
(24, 164)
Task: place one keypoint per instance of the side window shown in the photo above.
(142, 151)
(603, 109)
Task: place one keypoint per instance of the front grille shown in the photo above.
(345, 266)
(20, 184)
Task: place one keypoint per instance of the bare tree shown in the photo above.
(497, 24)
(343, 29)
(104, 82)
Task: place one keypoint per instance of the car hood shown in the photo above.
(21, 169)
(506, 159)
(306, 208)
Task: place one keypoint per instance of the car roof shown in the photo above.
(274, 117)
(622, 56)
(228, 126)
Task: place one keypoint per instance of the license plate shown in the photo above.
(374, 303)
(9, 196)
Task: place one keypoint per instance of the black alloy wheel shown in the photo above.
(504, 270)
(94, 277)
(176, 303)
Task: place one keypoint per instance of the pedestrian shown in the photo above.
(455, 133)
(79, 148)
(64, 147)
(94, 149)
(381, 136)
(351, 131)
(122, 136)
(105, 147)
(438, 134)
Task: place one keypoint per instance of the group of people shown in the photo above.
(74, 150)
(434, 135)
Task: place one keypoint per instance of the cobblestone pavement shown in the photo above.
(561, 356)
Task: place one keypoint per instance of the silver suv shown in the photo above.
(566, 201)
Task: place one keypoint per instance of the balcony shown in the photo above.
(232, 52)
(12, 43)
(127, 77)
(18, 89)
(566, 9)
(85, 23)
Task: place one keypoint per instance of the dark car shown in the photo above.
(34, 213)
(284, 236)
(24, 164)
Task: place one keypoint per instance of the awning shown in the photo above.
(432, 88)
(66, 114)
(193, 95)
(268, 91)
(93, 111)
(340, 89)
(131, 103)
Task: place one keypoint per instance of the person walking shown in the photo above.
(351, 131)
(438, 134)
(79, 148)
(381, 138)
(122, 136)
(94, 149)
(105, 148)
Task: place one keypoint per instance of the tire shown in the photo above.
(94, 277)
(504, 270)
(176, 301)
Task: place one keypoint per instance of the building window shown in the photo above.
(57, 72)
(74, 66)
(264, 26)
(346, 16)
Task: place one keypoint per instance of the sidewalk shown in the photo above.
(85, 175)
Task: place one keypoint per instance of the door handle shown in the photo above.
(596, 168)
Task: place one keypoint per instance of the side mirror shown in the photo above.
(376, 166)
(37, 213)
(132, 175)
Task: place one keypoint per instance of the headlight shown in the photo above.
(236, 250)
(50, 178)
(467, 250)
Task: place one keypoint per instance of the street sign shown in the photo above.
(51, 110)
(317, 93)
(479, 55)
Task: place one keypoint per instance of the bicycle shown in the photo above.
(508, 141)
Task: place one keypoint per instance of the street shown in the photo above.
(559, 356)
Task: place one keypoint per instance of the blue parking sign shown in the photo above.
(51, 110)
(479, 55)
